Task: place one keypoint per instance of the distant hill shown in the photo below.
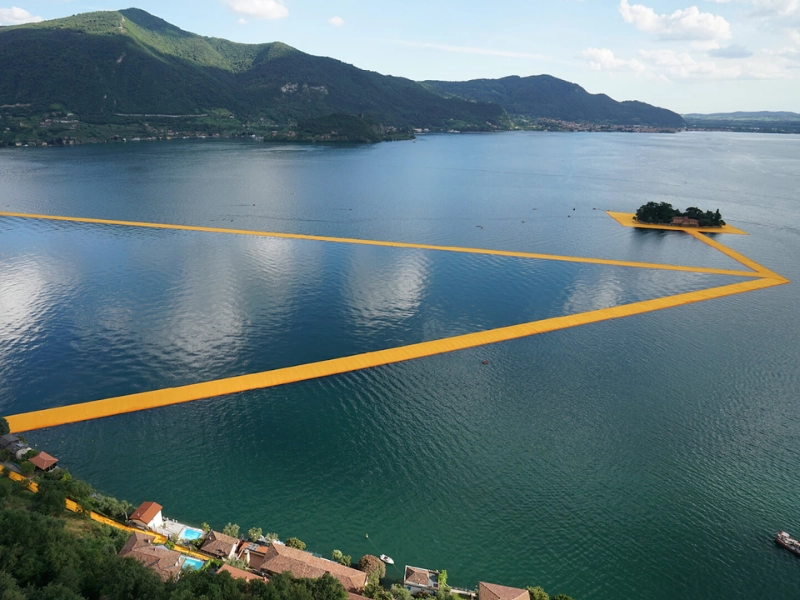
(101, 64)
(543, 96)
(746, 116)
(757, 122)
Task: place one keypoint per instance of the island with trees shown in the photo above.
(663, 213)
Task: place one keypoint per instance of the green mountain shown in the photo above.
(546, 97)
(102, 64)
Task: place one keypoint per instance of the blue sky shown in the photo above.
(705, 56)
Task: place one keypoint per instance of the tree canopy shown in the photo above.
(663, 212)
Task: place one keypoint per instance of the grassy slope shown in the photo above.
(543, 96)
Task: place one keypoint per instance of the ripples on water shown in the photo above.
(652, 456)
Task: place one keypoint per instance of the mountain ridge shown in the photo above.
(111, 68)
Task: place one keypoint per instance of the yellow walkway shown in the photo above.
(762, 278)
(73, 506)
(627, 219)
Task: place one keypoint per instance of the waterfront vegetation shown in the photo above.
(662, 213)
(49, 554)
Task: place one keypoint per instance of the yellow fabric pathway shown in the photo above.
(73, 506)
(339, 240)
(165, 397)
(763, 278)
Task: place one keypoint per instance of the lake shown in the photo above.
(654, 456)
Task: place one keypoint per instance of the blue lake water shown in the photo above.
(652, 456)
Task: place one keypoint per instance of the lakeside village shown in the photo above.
(173, 550)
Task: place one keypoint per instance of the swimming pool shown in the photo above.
(192, 563)
(190, 533)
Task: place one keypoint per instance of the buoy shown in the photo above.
(366, 535)
(486, 362)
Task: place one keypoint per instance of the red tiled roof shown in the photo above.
(421, 577)
(43, 461)
(493, 591)
(146, 512)
(240, 573)
(304, 564)
(220, 544)
(162, 560)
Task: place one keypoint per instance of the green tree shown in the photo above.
(293, 542)
(254, 533)
(328, 587)
(205, 527)
(27, 468)
(51, 498)
(270, 537)
(231, 529)
(537, 593)
(376, 591)
(4, 428)
(372, 566)
(443, 580)
(561, 597)
(399, 592)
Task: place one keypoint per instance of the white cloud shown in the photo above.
(17, 16)
(470, 50)
(242, 21)
(776, 8)
(602, 59)
(259, 9)
(686, 24)
(336, 21)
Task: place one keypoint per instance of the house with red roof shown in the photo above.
(147, 516)
(493, 591)
(301, 564)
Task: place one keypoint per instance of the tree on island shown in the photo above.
(662, 213)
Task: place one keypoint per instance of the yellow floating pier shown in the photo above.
(761, 278)
(629, 220)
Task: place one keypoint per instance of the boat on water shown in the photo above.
(788, 542)
(387, 559)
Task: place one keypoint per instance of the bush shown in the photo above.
(372, 566)
(399, 592)
(537, 593)
(27, 468)
(4, 428)
(293, 542)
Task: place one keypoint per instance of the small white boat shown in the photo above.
(387, 559)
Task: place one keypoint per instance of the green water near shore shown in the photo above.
(652, 456)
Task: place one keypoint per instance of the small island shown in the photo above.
(663, 213)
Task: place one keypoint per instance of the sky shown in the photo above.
(707, 56)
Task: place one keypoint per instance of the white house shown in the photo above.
(148, 516)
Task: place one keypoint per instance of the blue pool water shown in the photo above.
(190, 533)
(192, 563)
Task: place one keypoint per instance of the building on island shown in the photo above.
(220, 545)
(300, 563)
(44, 462)
(493, 591)
(148, 516)
(685, 222)
(421, 580)
(167, 563)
